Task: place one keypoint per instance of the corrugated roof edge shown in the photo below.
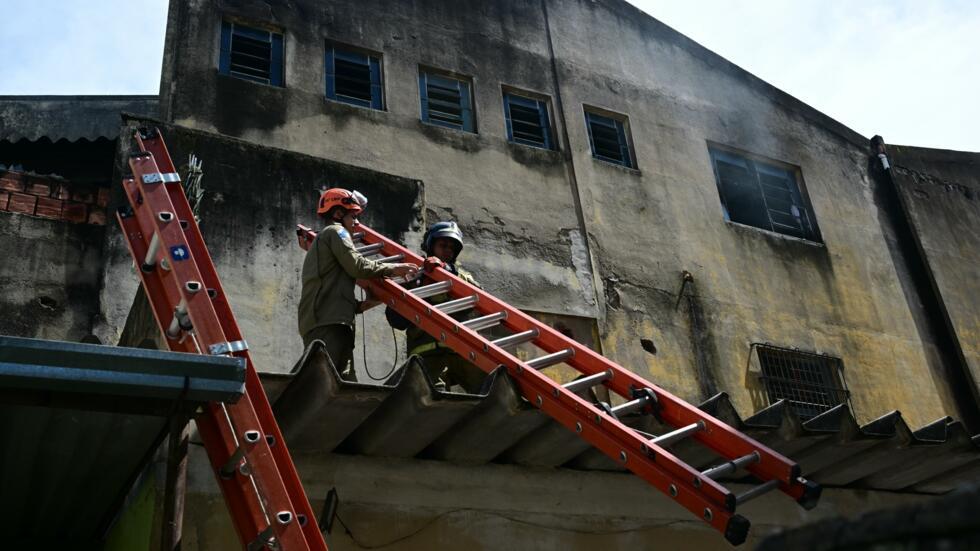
(408, 417)
(69, 117)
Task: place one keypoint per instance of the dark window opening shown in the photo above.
(446, 101)
(527, 121)
(608, 138)
(762, 195)
(811, 383)
(252, 54)
(353, 77)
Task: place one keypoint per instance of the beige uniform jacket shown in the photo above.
(329, 271)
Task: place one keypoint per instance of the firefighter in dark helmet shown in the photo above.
(443, 240)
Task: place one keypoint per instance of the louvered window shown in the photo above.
(250, 53)
(527, 121)
(353, 77)
(609, 140)
(762, 195)
(446, 101)
(811, 383)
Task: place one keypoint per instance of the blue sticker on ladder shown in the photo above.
(179, 253)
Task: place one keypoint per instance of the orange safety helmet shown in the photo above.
(350, 200)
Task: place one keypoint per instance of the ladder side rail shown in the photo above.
(652, 463)
(718, 436)
(253, 385)
(244, 505)
(207, 330)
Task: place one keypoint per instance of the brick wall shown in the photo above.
(50, 197)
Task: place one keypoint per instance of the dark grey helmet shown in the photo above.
(443, 229)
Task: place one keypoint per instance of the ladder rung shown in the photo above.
(756, 491)
(264, 540)
(234, 463)
(367, 249)
(432, 289)
(675, 435)
(150, 260)
(392, 258)
(516, 338)
(588, 382)
(550, 359)
(730, 467)
(457, 305)
(356, 235)
(632, 405)
(485, 322)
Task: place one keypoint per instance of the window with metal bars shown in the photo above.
(763, 195)
(446, 101)
(609, 139)
(250, 53)
(353, 77)
(811, 383)
(527, 121)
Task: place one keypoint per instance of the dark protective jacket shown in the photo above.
(416, 338)
(329, 270)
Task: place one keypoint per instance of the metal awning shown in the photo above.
(79, 422)
(43, 372)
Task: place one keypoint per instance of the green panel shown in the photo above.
(134, 527)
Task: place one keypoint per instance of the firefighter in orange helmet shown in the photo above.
(327, 304)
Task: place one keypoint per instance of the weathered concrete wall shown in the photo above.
(405, 504)
(841, 296)
(519, 205)
(533, 258)
(940, 192)
(254, 197)
(50, 277)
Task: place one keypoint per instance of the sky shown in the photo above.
(908, 70)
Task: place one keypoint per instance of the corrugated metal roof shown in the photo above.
(69, 117)
(78, 423)
(408, 417)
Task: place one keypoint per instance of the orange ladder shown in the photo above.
(247, 452)
(645, 455)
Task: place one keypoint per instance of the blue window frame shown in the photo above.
(353, 77)
(608, 139)
(763, 195)
(527, 121)
(446, 101)
(251, 54)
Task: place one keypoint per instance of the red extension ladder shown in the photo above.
(648, 457)
(254, 470)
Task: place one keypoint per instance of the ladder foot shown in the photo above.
(737, 529)
(811, 494)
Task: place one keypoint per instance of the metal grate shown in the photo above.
(527, 121)
(812, 383)
(607, 137)
(446, 101)
(251, 54)
(353, 77)
(762, 195)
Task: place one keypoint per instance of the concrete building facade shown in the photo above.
(620, 217)
(559, 231)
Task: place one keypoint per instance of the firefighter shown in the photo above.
(327, 304)
(445, 368)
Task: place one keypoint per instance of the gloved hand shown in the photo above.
(431, 263)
